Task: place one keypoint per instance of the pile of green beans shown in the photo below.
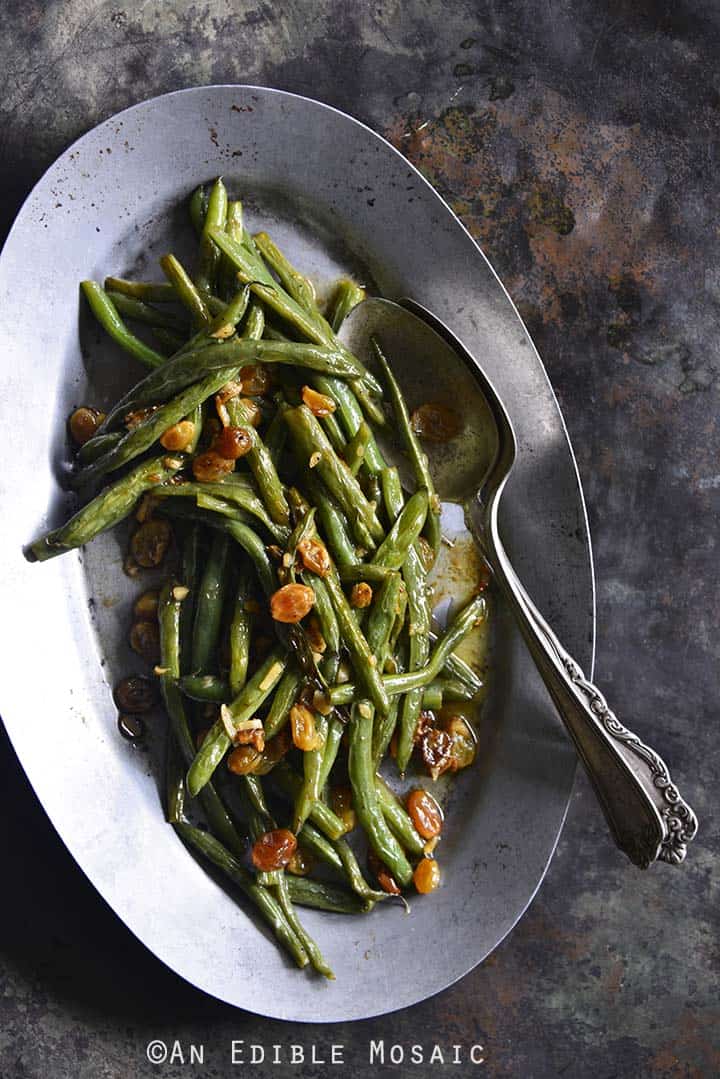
(294, 634)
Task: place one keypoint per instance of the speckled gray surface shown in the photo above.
(577, 141)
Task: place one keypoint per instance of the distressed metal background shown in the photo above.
(578, 143)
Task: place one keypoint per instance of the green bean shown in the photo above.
(346, 296)
(255, 322)
(419, 612)
(210, 254)
(251, 269)
(282, 702)
(253, 789)
(221, 325)
(472, 615)
(314, 450)
(294, 283)
(325, 611)
(407, 527)
(276, 437)
(261, 465)
(264, 901)
(209, 604)
(105, 312)
(208, 688)
(449, 689)
(153, 426)
(350, 415)
(185, 368)
(322, 896)
(187, 293)
(383, 730)
(188, 575)
(398, 819)
(357, 447)
(234, 228)
(227, 509)
(418, 458)
(174, 782)
(316, 958)
(107, 509)
(459, 670)
(236, 489)
(364, 571)
(169, 341)
(97, 445)
(130, 307)
(288, 784)
(148, 292)
(333, 738)
(312, 767)
(432, 697)
(334, 523)
(217, 742)
(197, 207)
(360, 767)
(169, 623)
(315, 843)
(354, 873)
(363, 660)
(239, 634)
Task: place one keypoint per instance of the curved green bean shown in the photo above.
(106, 313)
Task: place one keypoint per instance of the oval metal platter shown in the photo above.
(339, 199)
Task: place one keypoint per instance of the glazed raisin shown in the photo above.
(302, 724)
(233, 442)
(291, 602)
(436, 422)
(314, 555)
(210, 467)
(179, 436)
(255, 380)
(361, 595)
(436, 746)
(145, 640)
(382, 874)
(84, 423)
(426, 876)
(150, 542)
(425, 813)
(342, 803)
(135, 694)
(273, 850)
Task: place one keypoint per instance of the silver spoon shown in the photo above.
(647, 816)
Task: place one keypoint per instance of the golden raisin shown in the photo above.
(300, 863)
(255, 380)
(425, 813)
(382, 874)
(314, 555)
(275, 750)
(342, 804)
(318, 403)
(145, 640)
(436, 746)
(84, 423)
(426, 876)
(210, 467)
(145, 607)
(242, 760)
(233, 442)
(150, 542)
(436, 422)
(291, 602)
(135, 694)
(464, 742)
(133, 419)
(302, 724)
(273, 850)
(361, 595)
(179, 436)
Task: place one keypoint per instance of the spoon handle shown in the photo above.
(647, 816)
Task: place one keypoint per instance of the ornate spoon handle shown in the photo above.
(647, 816)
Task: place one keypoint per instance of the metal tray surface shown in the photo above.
(339, 198)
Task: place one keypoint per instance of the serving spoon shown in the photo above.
(648, 818)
